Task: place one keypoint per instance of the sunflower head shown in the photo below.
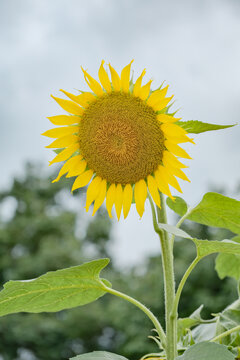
(119, 138)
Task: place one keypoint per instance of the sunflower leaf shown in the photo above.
(207, 351)
(218, 211)
(228, 264)
(55, 290)
(197, 127)
(184, 324)
(230, 317)
(98, 355)
(206, 247)
(178, 205)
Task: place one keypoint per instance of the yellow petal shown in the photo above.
(169, 178)
(61, 131)
(115, 79)
(110, 198)
(161, 184)
(153, 189)
(92, 83)
(170, 159)
(82, 180)
(138, 84)
(64, 119)
(69, 106)
(140, 194)
(63, 142)
(157, 96)
(144, 91)
(100, 197)
(62, 171)
(118, 200)
(77, 168)
(92, 191)
(178, 172)
(171, 130)
(181, 139)
(125, 75)
(65, 154)
(67, 166)
(127, 199)
(176, 150)
(163, 118)
(83, 99)
(162, 104)
(104, 79)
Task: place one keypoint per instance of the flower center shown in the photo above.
(121, 138)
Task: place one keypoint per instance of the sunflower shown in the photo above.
(121, 139)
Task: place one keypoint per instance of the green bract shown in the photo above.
(197, 127)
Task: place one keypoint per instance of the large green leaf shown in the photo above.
(217, 210)
(207, 351)
(178, 205)
(56, 290)
(99, 355)
(197, 127)
(206, 247)
(228, 264)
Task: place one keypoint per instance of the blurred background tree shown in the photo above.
(41, 230)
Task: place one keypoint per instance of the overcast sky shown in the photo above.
(192, 44)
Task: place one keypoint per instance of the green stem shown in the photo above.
(226, 333)
(142, 307)
(169, 282)
(181, 285)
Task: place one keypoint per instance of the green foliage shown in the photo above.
(230, 317)
(197, 127)
(228, 264)
(99, 355)
(178, 205)
(211, 293)
(55, 291)
(206, 247)
(184, 324)
(214, 210)
(206, 330)
(227, 320)
(217, 210)
(207, 351)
